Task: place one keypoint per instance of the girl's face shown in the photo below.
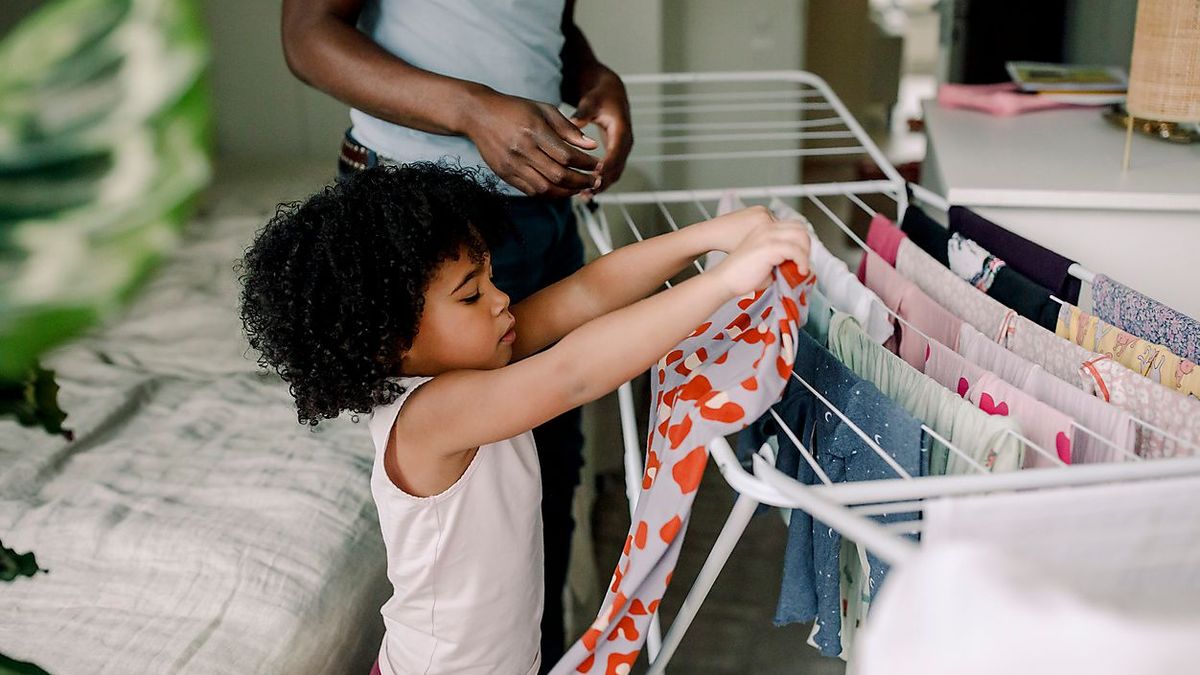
(465, 324)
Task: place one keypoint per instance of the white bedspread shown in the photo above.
(193, 526)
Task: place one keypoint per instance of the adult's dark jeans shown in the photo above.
(549, 249)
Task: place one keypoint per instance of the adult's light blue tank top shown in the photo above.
(512, 46)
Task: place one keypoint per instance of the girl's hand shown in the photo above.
(725, 233)
(768, 245)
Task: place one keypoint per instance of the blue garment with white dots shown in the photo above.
(811, 583)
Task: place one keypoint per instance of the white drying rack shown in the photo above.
(704, 102)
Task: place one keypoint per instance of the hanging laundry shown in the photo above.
(956, 295)
(884, 238)
(1106, 583)
(1141, 356)
(843, 289)
(820, 311)
(1146, 317)
(973, 263)
(919, 311)
(1046, 427)
(1061, 358)
(1024, 338)
(930, 235)
(1133, 543)
(1041, 265)
(1026, 298)
(960, 608)
(1107, 420)
(725, 374)
(1171, 411)
(811, 586)
(987, 439)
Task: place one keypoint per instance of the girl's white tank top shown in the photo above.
(465, 565)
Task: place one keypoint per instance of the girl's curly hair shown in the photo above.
(333, 287)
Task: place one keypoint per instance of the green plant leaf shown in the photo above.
(13, 564)
(14, 667)
(34, 401)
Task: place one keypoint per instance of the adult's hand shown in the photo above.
(603, 101)
(532, 146)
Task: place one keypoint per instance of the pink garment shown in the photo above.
(719, 379)
(916, 308)
(1004, 99)
(375, 668)
(884, 238)
(1105, 419)
(963, 300)
(1048, 428)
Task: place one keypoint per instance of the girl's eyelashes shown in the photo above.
(470, 300)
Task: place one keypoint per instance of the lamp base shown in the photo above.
(1174, 132)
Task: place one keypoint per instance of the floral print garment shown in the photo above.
(718, 380)
(1146, 317)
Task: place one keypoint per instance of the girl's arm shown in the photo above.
(626, 275)
(463, 409)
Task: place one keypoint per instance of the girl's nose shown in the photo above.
(501, 302)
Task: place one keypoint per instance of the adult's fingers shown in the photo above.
(537, 185)
(567, 131)
(565, 154)
(618, 141)
(557, 174)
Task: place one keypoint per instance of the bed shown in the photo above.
(192, 526)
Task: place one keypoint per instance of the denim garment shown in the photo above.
(811, 582)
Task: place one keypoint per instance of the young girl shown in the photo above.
(375, 295)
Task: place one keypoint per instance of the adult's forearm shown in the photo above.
(329, 53)
(580, 65)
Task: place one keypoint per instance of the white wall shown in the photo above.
(263, 113)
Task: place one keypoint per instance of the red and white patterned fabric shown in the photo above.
(718, 380)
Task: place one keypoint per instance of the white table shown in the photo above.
(1055, 177)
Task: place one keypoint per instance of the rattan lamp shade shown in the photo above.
(1164, 76)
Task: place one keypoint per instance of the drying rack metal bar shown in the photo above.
(758, 192)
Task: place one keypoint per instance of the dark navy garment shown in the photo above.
(1016, 290)
(1020, 294)
(928, 234)
(811, 583)
(1043, 266)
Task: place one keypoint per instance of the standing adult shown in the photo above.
(479, 82)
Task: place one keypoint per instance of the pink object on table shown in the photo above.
(1003, 99)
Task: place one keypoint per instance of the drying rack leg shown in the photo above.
(735, 524)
